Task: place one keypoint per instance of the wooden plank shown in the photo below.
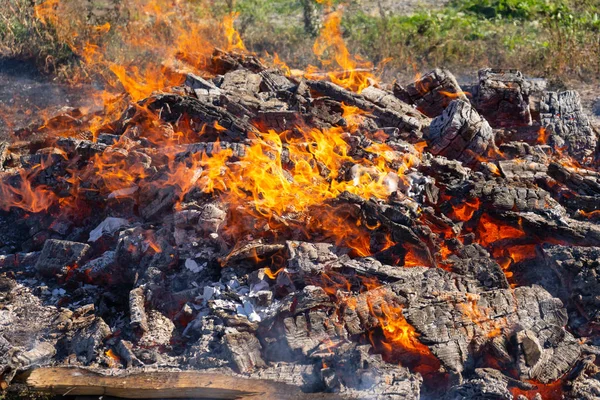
(156, 385)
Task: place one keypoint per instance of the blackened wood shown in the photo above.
(501, 98)
(432, 92)
(563, 116)
(400, 116)
(460, 133)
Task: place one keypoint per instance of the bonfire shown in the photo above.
(220, 224)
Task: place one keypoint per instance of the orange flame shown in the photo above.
(490, 231)
(397, 331)
(465, 211)
(331, 50)
(25, 196)
(234, 40)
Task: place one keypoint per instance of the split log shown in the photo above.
(432, 92)
(156, 385)
(579, 271)
(522, 170)
(501, 98)
(503, 197)
(59, 255)
(399, 115)
(223, 62)
(460, 133)
(562, 115)
(172, 108)
(242, 81)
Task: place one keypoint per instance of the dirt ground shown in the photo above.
(24, 93)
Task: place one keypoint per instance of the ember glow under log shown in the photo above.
(320, 229)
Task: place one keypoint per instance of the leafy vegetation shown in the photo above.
(542, 37)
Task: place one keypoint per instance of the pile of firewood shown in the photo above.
(481, 278)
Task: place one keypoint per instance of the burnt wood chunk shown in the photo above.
(579, 268)
(522, 170)
(408, 120)
(274, 81)
(58, 256)
(242, 81)
(245, 351)
(502, 98)
(460, 133)
(432, 92)
(567, 125)
(516, 198)
(475, 262)
(137, 310)
(172, 108)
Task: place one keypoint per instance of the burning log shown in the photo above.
(432, 92)
(460, 133)
(502, 98)
(568, 126)
(390, 112)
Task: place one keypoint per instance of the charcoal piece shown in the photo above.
(58, 256)
(578, 269)
(522, 170)
(13, 261)
(87, 341)
(196, 82)
(502, 98)
(160, 330)
(432, 92)
(124, 350)
(455, 319)
(460, 133)
(137, 310)
(449, 334)
(305, 259)
(567, 125)
(585, 385)
(86, 149)
(447, 172)
(242, 81)
(274, 81)
(310, 332)
(252, 250)
(41, 354)
(368, 267)
(304, 376)
(311, 297)
(545, 225)
(4, 154)
(502, 197)
(475, 262)
(245, 351)
(409, 121)
(103, 270)
(202, 115)
(222, 62)
(582, 181)
(278, 120)
(487, 383)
